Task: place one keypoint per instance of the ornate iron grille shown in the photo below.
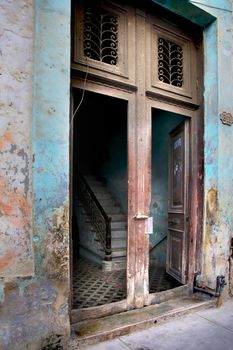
(170, 62)
(97, 216)
(101, 36)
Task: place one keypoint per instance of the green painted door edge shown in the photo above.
(188, 11)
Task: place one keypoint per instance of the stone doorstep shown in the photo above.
(89, 332)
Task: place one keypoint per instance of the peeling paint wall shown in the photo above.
(218, 225)
(34, 174)
(16, 55)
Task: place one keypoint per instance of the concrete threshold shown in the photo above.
(93, 331)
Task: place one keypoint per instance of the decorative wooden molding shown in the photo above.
(101, 80)
(171, 61)
(158, 55)
(175, 101)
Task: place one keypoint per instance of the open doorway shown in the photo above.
(112, 144)
(169, 204)
(99, 199)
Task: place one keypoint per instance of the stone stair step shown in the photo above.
(94, 182)
(119, 252)
(118, 243)
(102, 192)
(118, 217)
(118, 222)
(111, 210)
(119, 263)
(107, 202)
(89, 178)
(99, 189)
(101, 196)
(119, 225)
(93, 331)
(119, 234)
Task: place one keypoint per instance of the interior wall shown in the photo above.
(162, 124)
(115, 167)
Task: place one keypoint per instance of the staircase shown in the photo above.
(118, 224)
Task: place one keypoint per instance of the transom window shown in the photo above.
(170, 62)
(100, 40)
(119, 44)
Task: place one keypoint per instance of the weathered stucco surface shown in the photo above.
(34, 185)
(218, 224)
(16, 40)
(34, 172)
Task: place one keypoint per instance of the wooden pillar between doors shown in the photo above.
(139, 179)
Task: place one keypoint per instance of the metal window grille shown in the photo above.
(101, 36)
(170, 63)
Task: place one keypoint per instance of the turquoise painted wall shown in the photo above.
(36, 306)
(218, 141)
(162, 123)
(50, 145)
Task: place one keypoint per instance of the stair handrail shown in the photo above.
(104, 237)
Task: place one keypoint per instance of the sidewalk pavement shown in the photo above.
(210, 329)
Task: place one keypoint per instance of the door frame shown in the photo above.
(129, 97)
(196, 179)
(140, 103)
(179, 230)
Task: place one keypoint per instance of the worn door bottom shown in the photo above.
(78, 315)
(93, 331)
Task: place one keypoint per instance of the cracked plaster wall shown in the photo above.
(34, 288)
(34, 172)
(16, 55)
(218, 138)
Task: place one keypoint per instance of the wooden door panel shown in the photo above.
(175, 254)
(176, 221)
(177, 170)
(178, 202)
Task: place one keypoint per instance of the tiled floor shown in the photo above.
(94, 287)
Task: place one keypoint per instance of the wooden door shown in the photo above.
(178, 202)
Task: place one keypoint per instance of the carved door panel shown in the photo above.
(178, 202)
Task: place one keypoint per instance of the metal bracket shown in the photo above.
(141, 217)
(148, 222)
(220, 283)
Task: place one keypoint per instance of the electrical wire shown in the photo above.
(82, 98)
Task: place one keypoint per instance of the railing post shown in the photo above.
(108, 252)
